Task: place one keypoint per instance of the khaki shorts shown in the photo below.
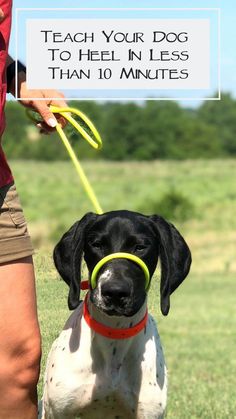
(15, 242)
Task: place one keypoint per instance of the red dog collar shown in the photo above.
(110, 332)
(84, 285)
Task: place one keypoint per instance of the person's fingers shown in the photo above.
(42, 108)
(50, 119)
(62, 121)
(44, 128)
(60, 104)
(56, 98)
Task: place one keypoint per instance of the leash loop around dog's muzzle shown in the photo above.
(120, 255)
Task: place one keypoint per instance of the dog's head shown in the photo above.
(120, 288)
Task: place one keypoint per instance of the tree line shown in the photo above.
(131, 131)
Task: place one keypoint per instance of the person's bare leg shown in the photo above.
(19, 341)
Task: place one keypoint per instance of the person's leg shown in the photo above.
(19, 340)
(19, 329)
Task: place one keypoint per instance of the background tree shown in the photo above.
(130, 131)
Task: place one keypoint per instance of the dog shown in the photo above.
(92, 376)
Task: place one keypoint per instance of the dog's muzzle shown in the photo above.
(120, 255)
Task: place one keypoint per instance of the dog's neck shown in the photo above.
(112, 352)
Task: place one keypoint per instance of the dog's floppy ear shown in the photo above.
(68, 256)
(175, 259)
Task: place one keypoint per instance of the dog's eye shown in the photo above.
(140, 247)
(95, 243)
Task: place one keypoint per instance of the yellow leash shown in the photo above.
(95, 142)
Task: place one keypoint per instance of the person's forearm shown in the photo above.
(21, 77)
(9, 60)
(37, 99)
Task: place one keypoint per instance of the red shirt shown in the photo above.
(5, 28)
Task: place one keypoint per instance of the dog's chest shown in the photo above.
(89, 376)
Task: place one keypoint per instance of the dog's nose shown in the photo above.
(116, 292)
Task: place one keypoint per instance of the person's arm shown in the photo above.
(1, 15)
(29, 98)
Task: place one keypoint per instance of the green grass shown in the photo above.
(199, 334)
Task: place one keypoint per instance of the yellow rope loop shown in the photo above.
(66, 113)
(120, 255)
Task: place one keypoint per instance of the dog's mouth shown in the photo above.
(112, 310)
(117, 307)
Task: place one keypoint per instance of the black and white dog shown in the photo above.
(93, 376)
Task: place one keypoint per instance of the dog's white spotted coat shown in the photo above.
(92, 377)
(104, 277)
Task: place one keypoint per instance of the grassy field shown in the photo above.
(199, 335)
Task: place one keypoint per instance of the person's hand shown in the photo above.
(50, 120)
(33, 99)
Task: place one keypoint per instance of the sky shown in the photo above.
(227, 33)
